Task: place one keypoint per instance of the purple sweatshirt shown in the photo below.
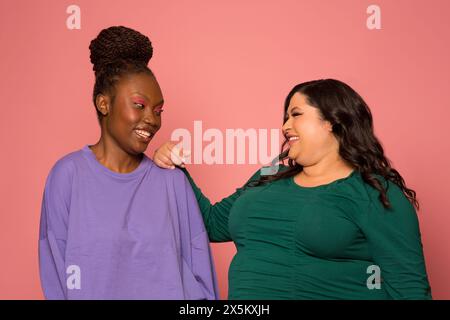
(107, 235)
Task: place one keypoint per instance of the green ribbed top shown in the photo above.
(320, 242)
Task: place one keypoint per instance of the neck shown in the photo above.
(327, 170)
(113, 157)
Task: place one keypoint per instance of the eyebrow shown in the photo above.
(296, 108)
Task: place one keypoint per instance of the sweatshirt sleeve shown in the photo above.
(215, 216)
(53, 232)
(395, 244)
(199, 277)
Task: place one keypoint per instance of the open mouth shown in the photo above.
(143, 134)
(293, 139)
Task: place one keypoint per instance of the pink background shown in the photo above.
(229, 64)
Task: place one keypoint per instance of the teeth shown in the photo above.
(293, 138)
(143, 133)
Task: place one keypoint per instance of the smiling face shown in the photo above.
(311, 139)
(133, 116)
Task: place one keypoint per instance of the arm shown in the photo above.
(216, 216)
(395, 244)
(53, 233)
(195, 246)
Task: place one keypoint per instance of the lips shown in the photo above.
(144, 135)
(292, 140)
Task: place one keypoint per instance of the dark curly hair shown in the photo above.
(352, 125)
(115, 52)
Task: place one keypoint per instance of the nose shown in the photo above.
(150, 118)
(286, 126)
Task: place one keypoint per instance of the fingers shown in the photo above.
(176, 156)
(184, 154)
(162, 164)
(170, 144)
(167, 160)
(171, 154)
(162, 158)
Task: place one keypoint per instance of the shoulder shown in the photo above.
(170, 176)
(371, 212)
(60, 178)
(401, 212)
(394, 194)
(366, 197)
(64, 169)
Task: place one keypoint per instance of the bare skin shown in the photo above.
(129, 122)
(316, 149)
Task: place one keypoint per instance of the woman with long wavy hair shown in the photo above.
(338, 222)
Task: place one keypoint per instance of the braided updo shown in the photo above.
(115, 52)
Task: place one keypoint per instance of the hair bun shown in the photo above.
(119, 43)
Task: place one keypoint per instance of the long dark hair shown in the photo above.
(352, 125)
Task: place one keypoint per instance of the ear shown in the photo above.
(102, 103)
(328, 126)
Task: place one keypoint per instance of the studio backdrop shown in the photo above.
(224, 67)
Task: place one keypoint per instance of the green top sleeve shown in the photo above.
(215, 216)
(394, 241)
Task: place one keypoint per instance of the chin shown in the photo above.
(138, 149)
(142, 149)
(296, 158)
(292, 155)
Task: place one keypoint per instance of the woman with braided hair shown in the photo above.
(337, 223)
(114, 225)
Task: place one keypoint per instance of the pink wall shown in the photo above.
(229, 64)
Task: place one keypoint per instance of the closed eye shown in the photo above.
(294, 114)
